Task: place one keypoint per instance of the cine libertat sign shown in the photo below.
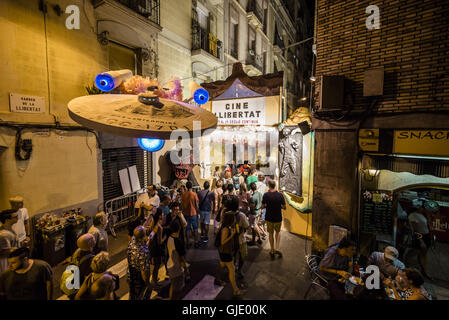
(26, 104)
(248, 111)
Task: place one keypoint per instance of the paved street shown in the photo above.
(284, 278)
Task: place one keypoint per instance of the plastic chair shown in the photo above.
(317, 280)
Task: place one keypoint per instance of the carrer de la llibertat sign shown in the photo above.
(248, 111)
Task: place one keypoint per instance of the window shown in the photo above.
(252, 40)
(121, 57)
(233, 33)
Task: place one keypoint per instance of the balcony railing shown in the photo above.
(255, 60)
(201, 39)
(254, 7)
(149, 9)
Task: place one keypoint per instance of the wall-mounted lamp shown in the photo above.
(312, 78)
(373, 172)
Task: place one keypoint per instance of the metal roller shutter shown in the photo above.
(117, 159)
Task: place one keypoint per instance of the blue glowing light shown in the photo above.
(151, 145)
(201, 96)
(104, 82)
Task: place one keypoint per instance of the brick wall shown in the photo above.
(412, 45)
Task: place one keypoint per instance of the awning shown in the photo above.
(415, 165)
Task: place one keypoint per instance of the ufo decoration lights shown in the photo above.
(151, 145)
(201, 96)
(108, 81)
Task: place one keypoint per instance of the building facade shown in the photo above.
(392, 63)
(48, 56)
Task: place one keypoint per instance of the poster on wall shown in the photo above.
(376, 214)
(237, 112)
(290, 160)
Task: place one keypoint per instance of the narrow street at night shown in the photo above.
(224, 158)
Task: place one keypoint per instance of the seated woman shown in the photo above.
(335, 265)
(410, 284)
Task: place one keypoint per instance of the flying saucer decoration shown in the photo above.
(201, 96)
(151, 145)
(139, 116)
(110, 80)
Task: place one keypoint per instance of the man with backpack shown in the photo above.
(82, 259)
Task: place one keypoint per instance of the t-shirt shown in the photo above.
(250, 180)
(8, 240)
(145, 198)
(388, 269)
(31, 285)
(165, 210)
(205, 199)
(244, 199)
(246, 170)
(84, 265)
(188, 203)
(101, 239)
(332, 260)
(19, 227)
(273, 201)
(261, 187)
(257, 200)
(421, 222)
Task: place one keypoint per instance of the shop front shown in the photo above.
(403, 170)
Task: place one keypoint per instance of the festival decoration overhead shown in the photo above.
(151, 145)
(141, 109)
(201, 96)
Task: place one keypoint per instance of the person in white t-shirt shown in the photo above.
(149, 200)
(420, 226)
(22, 227)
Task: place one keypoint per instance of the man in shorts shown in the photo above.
(254, 214)
(206, 205)
(189, 209)
(273, 201)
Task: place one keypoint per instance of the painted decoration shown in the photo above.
(290, 160)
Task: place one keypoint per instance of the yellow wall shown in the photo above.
(295, 221)
(62, 170)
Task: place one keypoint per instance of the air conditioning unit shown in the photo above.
(332, 93)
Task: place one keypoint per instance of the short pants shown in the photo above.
(205, 217)
(273, 226)
(192, 220)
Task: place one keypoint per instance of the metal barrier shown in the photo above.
(121, 208)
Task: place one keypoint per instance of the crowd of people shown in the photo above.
(164, 227)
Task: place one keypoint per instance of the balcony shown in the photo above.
(150, 9)
(255, 14)
(253, 64)
(205, 46)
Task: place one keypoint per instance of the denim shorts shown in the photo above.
(192, 220)
(205, 217)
